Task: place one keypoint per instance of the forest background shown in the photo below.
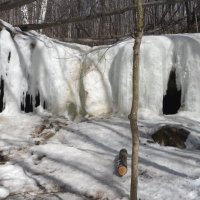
(97, 22)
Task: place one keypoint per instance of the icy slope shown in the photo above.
(76, 80)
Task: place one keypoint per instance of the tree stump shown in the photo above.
(122, 162)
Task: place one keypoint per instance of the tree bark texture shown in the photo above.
(134, 109)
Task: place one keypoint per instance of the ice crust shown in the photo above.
(75, 80)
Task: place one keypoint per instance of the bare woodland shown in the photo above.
(96, 22)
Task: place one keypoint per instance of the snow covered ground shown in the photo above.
(78, 160)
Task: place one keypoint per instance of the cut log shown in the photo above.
(122, 163)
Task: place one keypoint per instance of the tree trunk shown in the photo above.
(43, 11)
(189, 15)
(24, 14)
(134, 109)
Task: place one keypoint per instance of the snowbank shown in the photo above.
(75, 80)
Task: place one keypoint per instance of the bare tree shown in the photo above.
(134, 109)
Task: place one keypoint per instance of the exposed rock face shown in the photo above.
(171, 136)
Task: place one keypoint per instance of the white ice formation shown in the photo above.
(76, 80)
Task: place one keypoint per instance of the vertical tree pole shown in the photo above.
(134, 109)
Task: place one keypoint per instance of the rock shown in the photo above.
(171, 136)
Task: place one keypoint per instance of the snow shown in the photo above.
(3, 193)
(78, 161)
(87, 94)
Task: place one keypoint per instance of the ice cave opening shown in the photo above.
(172, 99)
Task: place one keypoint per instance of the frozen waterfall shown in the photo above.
(43, 75)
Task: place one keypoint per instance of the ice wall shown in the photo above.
(76, 80)
(33, 64)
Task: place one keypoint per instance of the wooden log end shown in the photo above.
(122, 162)
(122, 170)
